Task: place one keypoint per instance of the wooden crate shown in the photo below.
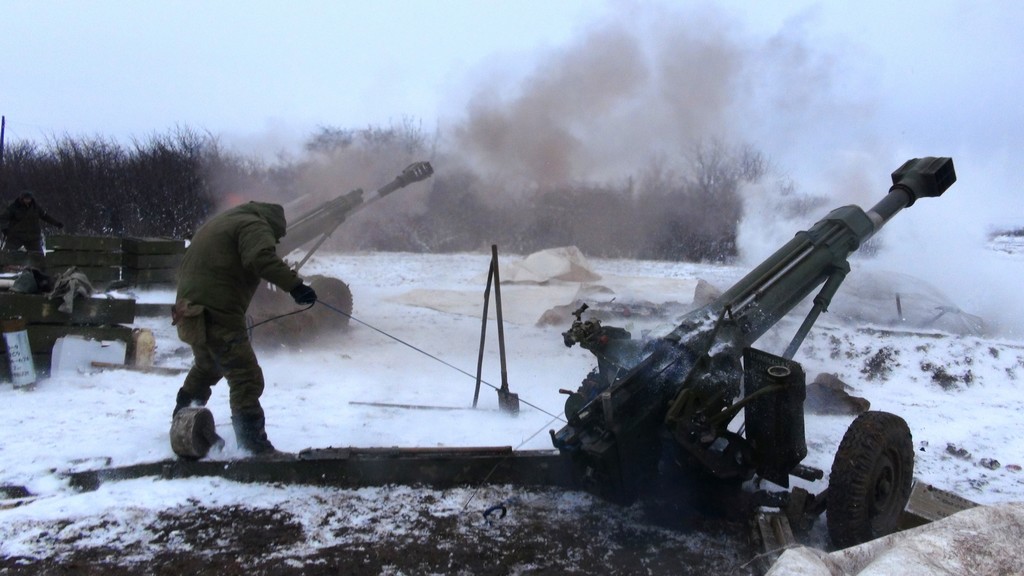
(153, 246)
(152, 261)
(98, 257)
(84, 243)
(64, 259)
(96, 318)
(38, 309)
(21, 259)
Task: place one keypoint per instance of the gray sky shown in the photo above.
(852, 87)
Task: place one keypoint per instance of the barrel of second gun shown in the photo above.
(319, 221)
(917, 178)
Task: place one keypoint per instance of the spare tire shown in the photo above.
(871, 478)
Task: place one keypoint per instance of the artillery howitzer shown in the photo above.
(317, 225)
(663, 408)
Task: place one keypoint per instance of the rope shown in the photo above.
(279, 316)
(554, 417)
(500, 462)
(429, 355)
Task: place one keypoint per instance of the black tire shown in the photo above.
(871, 478)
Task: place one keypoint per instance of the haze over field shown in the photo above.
(953, 390)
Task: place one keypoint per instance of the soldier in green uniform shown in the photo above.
(221, 270)
(21, 226)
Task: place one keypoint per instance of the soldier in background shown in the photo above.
(222, 268)
(21, 224)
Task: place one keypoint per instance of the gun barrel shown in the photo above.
(320, 222)
(917, 178)
(686, 382)
(782, 281)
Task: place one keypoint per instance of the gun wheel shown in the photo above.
(336, 293)
(871, 478)
(282, 327)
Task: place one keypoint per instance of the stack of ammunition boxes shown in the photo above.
(151, 262)
(107, 262)
(96, 318)
(98, 257)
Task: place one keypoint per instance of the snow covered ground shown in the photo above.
(961, 396)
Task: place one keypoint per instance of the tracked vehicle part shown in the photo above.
(871, 479)
(194, 433)
(361, 467)
(672, 399)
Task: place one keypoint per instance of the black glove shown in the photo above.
(304, 294)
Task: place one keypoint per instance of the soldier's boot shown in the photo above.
(251, 433)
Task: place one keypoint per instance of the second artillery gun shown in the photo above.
(316, 226)
(663, 408)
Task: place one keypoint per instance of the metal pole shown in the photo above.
(507, 401)
(483, 333)
(501, 324)
(3, 174)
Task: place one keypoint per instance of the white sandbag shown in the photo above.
(566, 263)
(979, 541)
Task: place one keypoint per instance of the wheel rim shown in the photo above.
(884, 482)
(883, 493)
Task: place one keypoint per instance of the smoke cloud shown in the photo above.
(640, 90)
(626, 92)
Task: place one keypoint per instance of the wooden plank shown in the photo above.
(415, 406)
(773, 535)
(149, 261)
(161, 276)
(88, 243)
(152, 310)
(153, 246)
(144, 369)
(82, 258)
(19, 258)
(38, 309)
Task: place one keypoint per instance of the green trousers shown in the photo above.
(227, 353)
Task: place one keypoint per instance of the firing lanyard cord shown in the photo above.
(427, 354)
(278, 317)
(495, 468)
(554, 417)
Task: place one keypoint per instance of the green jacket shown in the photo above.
(228, 257)
(23, 222)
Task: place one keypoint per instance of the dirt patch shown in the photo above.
(537, 534)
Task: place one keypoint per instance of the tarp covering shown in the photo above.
(546, 286)
(565, 263)
(900, 300)
(980, 541)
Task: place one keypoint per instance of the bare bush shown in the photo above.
(681, 209)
